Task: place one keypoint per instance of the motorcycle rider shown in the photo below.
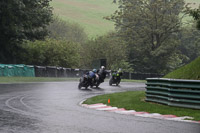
(102, 73)
(116, 76)
(88, 79)
(92, 76)
(120, 74)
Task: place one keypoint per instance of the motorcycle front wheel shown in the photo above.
(110, 82)
(97, 85)
(79, 86)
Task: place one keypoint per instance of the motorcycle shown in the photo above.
(115, 79)
(96, 82)
(101, 77)
(84, 82)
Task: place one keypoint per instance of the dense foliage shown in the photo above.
(150, 28)
(51, 52)
(196, 15)
(109, 47)
(19, 20)
(190, 44)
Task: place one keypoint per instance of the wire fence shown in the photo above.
(50, 71)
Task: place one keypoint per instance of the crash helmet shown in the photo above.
(120, 70)
(94, 70)
(103, 67)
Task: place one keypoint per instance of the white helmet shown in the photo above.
(120, 70)
(102, 67)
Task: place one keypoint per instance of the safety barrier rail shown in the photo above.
(54, 71)
(174, 92)
(22, 70)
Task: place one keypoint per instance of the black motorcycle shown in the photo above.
(98, 80)
(100, 77)
(115, 79)
(84, 82)
(95, 82)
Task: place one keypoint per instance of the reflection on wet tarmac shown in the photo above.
(53, 108)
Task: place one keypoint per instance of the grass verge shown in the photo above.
(48, 79)
(34, 79)
(135, 100)
(131, 80)
(189, 71)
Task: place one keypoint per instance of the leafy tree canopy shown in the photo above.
(51, 52)
(196, 15)
(190, 40)
(19, 20)
(150, 27)
(109, 47)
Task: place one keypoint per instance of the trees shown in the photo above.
(51, 52)
(60, 29)
(190, 40)
(150, 27)
(19, 20)
(196, 15)
(60, 48)
(109, 47)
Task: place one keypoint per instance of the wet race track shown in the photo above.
(54, 108)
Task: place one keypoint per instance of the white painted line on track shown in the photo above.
(96, 106)
(7, 103)
(106, 109)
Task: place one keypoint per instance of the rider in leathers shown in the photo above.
(102, 73)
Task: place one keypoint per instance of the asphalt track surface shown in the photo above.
(54, 108)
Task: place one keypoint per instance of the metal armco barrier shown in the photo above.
(174, 92)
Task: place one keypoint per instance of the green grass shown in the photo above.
(134, 100)
(130, 80)
(47, 79)
(189, 71)
(89, 14)
(33, 79)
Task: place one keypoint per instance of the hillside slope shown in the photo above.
(89, 13)
(189, 71)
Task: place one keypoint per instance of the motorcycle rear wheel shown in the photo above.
(117, 84)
